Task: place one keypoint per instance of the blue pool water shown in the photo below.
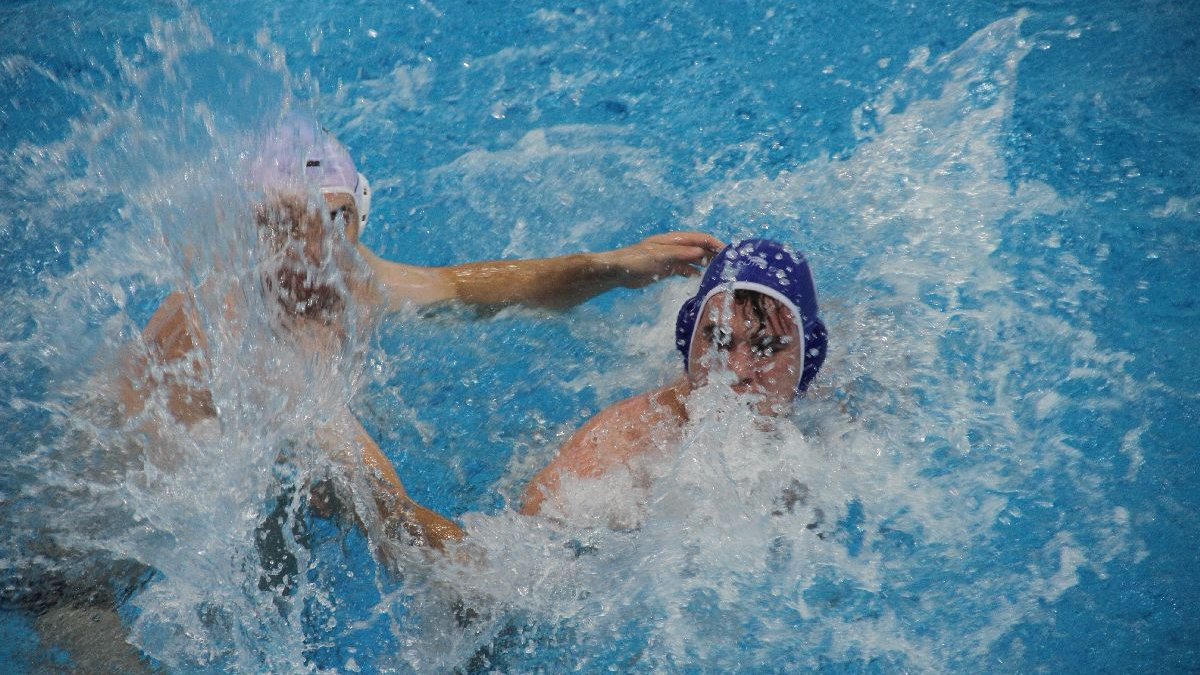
(1000, 202)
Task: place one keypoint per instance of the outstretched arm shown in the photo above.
(344, 439)
(556, 283)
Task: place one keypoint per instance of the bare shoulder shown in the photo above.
(173, 332)
(615, 436)
(606, 434)
(169, 356)
(622, 432)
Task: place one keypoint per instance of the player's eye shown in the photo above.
(719, 337)
(723, 338)
(765, 347)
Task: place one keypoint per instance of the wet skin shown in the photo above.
(753, 343)
(757, 341)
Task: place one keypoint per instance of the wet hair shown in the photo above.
(766, 317)
(767, 312)
(763, 307)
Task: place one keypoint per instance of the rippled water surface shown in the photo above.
(1000, 203)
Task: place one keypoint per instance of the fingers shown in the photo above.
(670, 254)
(684, 268)
(711, 243)
(700, 239)
(691, 254)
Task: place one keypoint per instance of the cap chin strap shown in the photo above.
(362, 200)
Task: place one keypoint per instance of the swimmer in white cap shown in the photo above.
(297, 160)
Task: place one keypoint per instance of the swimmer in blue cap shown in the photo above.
(315, 206)
(753, 324)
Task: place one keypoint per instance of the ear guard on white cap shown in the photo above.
(361, 193)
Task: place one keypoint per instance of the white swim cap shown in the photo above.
(298, 154)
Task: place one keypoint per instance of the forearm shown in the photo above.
(550, 282)
(554, 283)
(397, 510)
(423, 526)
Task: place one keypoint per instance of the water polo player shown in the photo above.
(753, 325)
(314, 277)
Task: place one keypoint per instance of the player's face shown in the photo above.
(306, 261)
(757, 340)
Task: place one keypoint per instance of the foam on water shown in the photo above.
(168, 517)
(908, 516)
(932, 447)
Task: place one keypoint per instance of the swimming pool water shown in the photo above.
(1000, 202)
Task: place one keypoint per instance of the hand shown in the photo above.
(663, 255)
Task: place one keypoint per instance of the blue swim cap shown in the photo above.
(298, 155)
(770, 268)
